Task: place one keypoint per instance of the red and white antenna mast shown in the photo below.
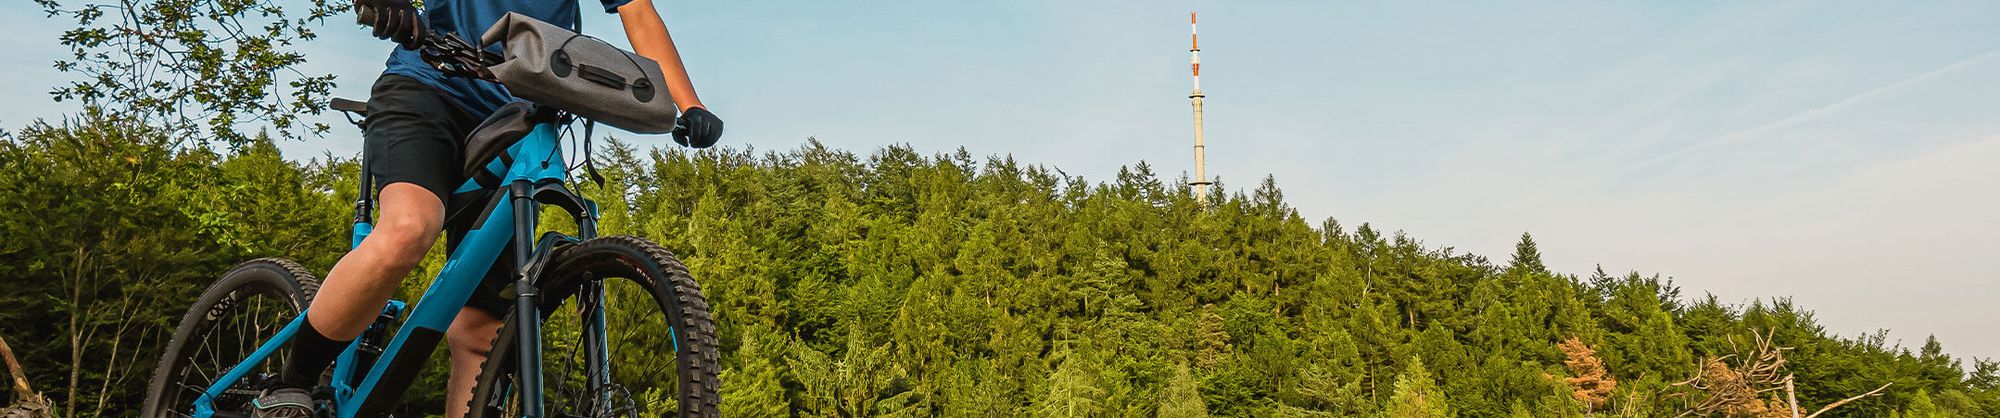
(1200, 181)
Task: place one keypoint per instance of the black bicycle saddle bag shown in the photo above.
(581, 75)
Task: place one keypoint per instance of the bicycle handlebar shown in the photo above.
(444, 51)
(457, 58)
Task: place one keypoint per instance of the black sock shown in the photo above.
(311, 352)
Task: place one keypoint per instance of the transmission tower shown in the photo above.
(1200, 181)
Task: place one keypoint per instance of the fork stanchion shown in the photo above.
(527, 313)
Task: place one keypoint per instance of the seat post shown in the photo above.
(364, 201)
(364, 204)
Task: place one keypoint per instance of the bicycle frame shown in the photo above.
(535, 176)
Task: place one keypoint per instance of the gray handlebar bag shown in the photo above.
(582, 75)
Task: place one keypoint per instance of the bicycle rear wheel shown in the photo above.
(227, 322)
(658, 337)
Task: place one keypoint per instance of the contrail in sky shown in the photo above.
(1801, 117)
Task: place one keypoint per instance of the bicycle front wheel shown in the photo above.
(658, 342)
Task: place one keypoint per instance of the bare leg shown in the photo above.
(363, 280)
(470, 339)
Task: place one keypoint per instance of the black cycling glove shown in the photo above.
(697, 128)
(395, 20)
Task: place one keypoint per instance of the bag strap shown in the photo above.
(588, 165)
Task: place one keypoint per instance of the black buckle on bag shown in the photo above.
(643, 90)
(559, 63)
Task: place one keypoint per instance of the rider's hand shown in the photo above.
(396, 20)
(698, 128)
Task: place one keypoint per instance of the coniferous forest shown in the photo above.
(905, 282)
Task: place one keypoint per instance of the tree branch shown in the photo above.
(1851, 399)
(21, 387)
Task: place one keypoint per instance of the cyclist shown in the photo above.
(417, 121)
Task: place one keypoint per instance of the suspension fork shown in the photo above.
(596, 351)
(527, 309)
(590, 308)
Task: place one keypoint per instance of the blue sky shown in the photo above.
(1843, 153)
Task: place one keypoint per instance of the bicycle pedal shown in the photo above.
(323, 408)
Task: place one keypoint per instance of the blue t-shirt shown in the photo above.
(469, 19)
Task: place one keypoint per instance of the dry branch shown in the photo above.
(14, 369)
(30, 404)
(1737, 385)
(1877, 391)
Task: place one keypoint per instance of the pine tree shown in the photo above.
(1073, 391)
(1181, 398)
(1590, 383)
(756, 386)
(1214, 340)
(1921, 406)
(1417, 395)
(1527, 258)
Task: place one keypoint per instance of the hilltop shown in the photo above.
(903, 283)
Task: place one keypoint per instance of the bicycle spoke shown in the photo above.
(227, 325)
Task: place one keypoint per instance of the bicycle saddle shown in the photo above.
(350, 106)
(356, 111)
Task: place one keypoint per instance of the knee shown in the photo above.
(405, 238)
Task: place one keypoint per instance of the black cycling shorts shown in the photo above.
(415, 135)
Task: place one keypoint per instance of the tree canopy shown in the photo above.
(898, 283)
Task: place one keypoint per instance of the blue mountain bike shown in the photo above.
(602, 326)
